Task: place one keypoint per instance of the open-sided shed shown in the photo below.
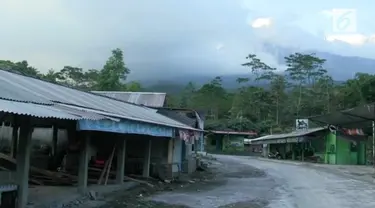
(27, 103)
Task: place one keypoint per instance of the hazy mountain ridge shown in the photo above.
(339, 67)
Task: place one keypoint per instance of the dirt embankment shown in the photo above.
(138, 196)
(200, 189)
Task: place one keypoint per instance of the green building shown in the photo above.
(316, 145)
(227, 141)
(350, 143)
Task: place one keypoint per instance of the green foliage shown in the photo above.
(304, 89)
(113, 73)
(112, 77)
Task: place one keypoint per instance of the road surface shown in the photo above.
(252, 183)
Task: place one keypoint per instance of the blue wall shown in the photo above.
(125, 127)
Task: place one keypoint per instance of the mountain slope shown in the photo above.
(339, 67)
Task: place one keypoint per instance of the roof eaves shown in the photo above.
(182, 126)
(290, 135)
(73, 97)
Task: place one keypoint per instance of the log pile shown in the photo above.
(39, 176)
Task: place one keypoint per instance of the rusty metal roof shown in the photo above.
(27, 89)
(150, 99)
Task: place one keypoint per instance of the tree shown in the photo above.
(52, 76)
(134, 86)
(304, 70)
(212, 97)
(20, 67)
(187, 96)
(258, 68)
(114, 72)
(267, 101)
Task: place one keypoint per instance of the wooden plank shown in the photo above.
(139, 181)
(109, 165)
(102, 172)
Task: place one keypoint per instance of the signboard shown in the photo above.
(302, 124)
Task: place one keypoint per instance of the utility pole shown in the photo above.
(373, 144)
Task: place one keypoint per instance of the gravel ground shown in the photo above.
(300, 186)
(243, 182)
(215, 187)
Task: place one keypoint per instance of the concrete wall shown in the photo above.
(177, 154)
(330, 149)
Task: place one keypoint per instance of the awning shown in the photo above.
(292, 137)
(357, 117)
(365, 112)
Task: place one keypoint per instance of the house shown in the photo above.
(99, 130)
(228, 141)
(157, 101)
(316, 145)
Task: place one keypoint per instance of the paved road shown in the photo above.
(252, 183)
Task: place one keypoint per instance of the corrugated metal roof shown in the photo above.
(150, 99)
(178, 117)
(17, 92)
(82, 114)
(343, 119)
(289, 135)
(39, 91)
(30, 109)
(249, 133)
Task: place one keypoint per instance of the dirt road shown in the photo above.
(244, 182)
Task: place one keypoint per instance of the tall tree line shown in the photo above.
(304, 89)
(112, 76)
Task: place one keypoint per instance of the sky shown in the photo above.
(166, 37)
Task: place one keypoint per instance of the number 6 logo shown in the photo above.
(344, 21)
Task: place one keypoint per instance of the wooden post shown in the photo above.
(303, 152)
(146, 164)
(293, 152)
(54, 139)
(170, 150)
(121, 156)
(13, 151)
(83, 164)
(23, 162)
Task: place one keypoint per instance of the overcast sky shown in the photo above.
(173, 36)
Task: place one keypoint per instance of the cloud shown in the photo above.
(205, 37)
(219, 46)
(352, 39)
(261, 22)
